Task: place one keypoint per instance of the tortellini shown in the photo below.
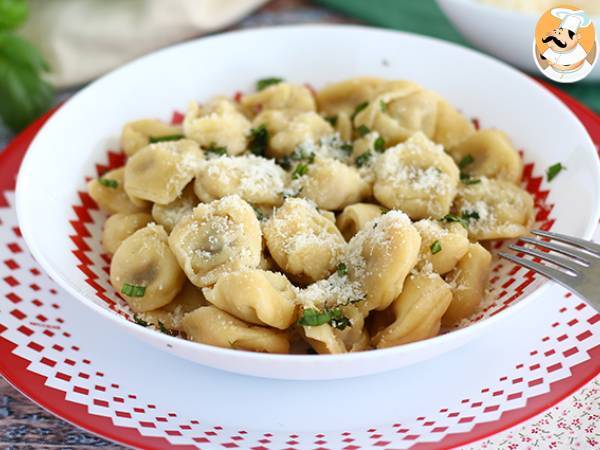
(354, 218)
(282, 96)
(496, 209)
(489, 153)
(416, 177)
(170, 214)
(302, 242)
(218, 124)
(119, 227)
(218, 237)
(139, 133)
(160, 171)
(169, 316)
(209, 325)
(442, 245)
(332, 185)
(293, 221)
(304, 127)
(145, 271)
(257, 180)
(255, 296)
(417, 311)
(468, 280)
(380, 256)
(108, 192)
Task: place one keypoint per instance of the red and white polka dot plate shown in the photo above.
(51, 349)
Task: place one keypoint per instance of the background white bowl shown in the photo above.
(77, 137)
(500, 32)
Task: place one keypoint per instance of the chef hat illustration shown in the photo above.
(571, 20)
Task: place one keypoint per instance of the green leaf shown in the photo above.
(363, 158)
(363, 130)
(554, 170)
(342, 269)
(259, 140)
(436, 247)
(300, 170)
(453, 218)
(13, 14)
(358, 109)
(332, 120)
(221, 151)
(170, 137)
(266, 82)
(347, 148)
(25, 95)
(379, 145)
(165, 330)
(465, 161)
(313, 317)
(468, 215)
(107, 182)
(139, 321)
(132, 290)
(382, 106)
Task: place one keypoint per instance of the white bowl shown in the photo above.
(500, 32)
(66, 150)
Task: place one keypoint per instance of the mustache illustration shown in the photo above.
(556, 41)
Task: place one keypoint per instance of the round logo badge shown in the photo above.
(565, 47)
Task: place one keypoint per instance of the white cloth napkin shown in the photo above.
(82, 39)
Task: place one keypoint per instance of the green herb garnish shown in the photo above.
(140, 321)
(107, 182)
(259, 140)
(170, 137)
(285, 163)
(362, 159)
(382, 106)
(554, 170)
(466, 179)
(465, 161)
(358, 109)
(165, 330)
(259, 214)
(347, 148)
(453, 218)
(300, 170)
(363, 130)
(213, 148)
(266, 82)
(301, 154)
(313, 318)
(468, 215)
(379, 145)
(332, 120)
(132, 290)
(436, 247)
(342, 269)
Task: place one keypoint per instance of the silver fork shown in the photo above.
(578, 270)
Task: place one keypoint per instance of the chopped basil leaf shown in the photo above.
(107, 182)
(259, 140)
(266, 82)
(300, 170)
(332, 120)
(259, 214)
(313, 318)
(436, 247)
(301, 154)
(212, 148)
(139, 321)
(362, 159)
(453, 218)
(342, 269)
(170, 137)
(379, 145)
(348, 148)
(382, 105)
(358, 109)
(163, 329)
(465, 161)
(466, 179)
(554, 170)
(468, 215)
(132, 290)
(384, 210)
(363, 130)
(285, 163)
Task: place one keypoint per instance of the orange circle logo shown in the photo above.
(565, 48)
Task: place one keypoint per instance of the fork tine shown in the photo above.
(548, 272)
(573, 252)
(549, 257)
(581, 243)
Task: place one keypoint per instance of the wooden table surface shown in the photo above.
(23, 425)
